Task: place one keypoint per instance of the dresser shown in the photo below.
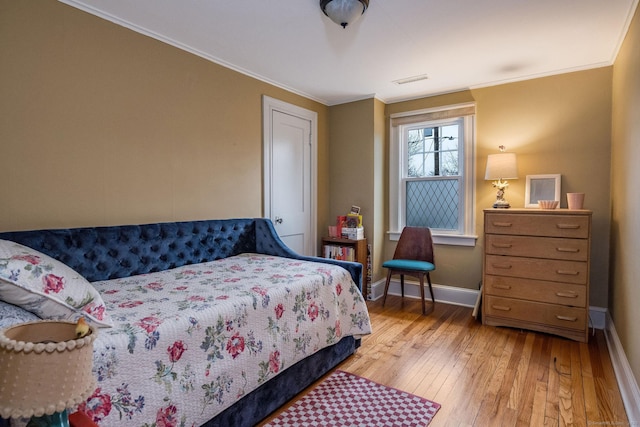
(536, 270)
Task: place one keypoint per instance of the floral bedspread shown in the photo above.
(188, 342)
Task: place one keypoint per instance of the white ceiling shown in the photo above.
(458, 44)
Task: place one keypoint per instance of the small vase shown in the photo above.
(575, 200)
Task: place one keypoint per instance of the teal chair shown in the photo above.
(413, 257)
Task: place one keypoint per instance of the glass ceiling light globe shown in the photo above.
(344, 12)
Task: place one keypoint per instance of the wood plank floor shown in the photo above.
(488, 376)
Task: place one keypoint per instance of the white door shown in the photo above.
(290, 173)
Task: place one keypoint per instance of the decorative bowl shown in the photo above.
(548, 204)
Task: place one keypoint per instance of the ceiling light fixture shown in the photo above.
(344, 12)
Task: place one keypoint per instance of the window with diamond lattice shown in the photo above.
(433, 204)
(431, 172)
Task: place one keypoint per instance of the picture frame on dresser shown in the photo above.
(541, 187)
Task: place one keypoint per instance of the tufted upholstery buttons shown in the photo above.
(102, 253)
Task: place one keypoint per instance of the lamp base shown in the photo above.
(501, 204)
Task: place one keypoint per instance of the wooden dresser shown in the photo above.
(536, 270)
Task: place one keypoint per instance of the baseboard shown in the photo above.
(376, 290)
(462, 296)
(441, 293)
(624, 375)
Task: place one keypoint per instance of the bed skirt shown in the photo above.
(261, 402)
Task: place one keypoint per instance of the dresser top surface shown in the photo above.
(536, 211)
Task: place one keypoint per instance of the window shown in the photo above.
(432, 171)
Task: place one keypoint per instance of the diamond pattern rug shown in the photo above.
(347, 400)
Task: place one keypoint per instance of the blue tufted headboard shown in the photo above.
(102, 253)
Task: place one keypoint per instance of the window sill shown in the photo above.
(443, 239)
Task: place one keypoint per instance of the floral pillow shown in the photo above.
(47, 287)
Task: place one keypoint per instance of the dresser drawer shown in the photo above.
(572, 226)
(536, 312)
(537, 247)
(536, 290)
(535, 268)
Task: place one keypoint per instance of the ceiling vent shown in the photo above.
(411, 79)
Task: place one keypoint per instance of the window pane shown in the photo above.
(432, 151)
(449, 163)
(420, 165)
(433, 203)
(449, 144)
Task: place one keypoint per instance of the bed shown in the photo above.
(212, 323)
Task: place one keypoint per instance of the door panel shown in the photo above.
(291, 179)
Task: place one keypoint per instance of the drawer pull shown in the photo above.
(567, 272)
(502, 245)
(502, 266)
(572, 250)
(568, 226)
(567, 294)
(501, 307)
(567, 318)
(502, 224)
(505, 287)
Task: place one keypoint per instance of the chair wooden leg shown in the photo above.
(430, 288)
(402, 285)
(386, 288)
(424, 309)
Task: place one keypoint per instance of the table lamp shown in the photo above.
(501, 167)
(44, 371)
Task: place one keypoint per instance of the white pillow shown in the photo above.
(47, 287)
(12, 315)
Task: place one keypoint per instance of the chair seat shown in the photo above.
(409, 264)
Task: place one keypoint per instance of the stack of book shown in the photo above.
(342, 253)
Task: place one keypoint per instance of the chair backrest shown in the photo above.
(415, 243)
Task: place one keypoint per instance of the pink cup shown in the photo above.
(575, 200)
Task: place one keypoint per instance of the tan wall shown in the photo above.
(100, 125)
(625, 176)
(357, 168)
(351, 137)
(351, 141)
(380, 173)
(558, 124)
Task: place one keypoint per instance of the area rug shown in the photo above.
(347, 400)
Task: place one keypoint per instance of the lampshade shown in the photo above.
(44, 369)
(501, 166)
(344, 12)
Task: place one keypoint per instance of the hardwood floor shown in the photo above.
(488, 376)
